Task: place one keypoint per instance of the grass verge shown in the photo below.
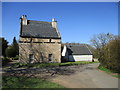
(38, 65)
(109, 71)
(25, 82)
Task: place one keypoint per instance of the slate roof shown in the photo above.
(78, 50)
(39, 29)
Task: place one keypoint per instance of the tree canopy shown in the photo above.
(13, 49)
(107, 50)
(4, 44)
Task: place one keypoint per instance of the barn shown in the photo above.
(77, 52)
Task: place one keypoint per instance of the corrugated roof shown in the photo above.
(39, 29)
(78, 50)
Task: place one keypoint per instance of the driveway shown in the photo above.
(87, 76)
(78, 76)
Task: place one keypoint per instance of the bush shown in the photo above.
(5, 60)
(113, 60)
(108, 51)
(10, 52)
(16, 58)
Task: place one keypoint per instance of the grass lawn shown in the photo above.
(109, 71)
(38, 65)
(24, 82)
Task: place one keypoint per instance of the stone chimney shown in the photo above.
(23, 20)
(54, 23)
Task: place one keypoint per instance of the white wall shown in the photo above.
(80, 58)
(64, 50)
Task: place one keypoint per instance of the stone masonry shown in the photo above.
(39, 42)
(40, 51)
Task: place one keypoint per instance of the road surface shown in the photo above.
(88, 76)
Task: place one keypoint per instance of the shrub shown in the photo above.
(5, 60)
(113, 60)
(16, 58)
(10, 52)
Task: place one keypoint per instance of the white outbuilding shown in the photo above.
(78, 52)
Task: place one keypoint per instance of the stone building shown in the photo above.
(39, 41)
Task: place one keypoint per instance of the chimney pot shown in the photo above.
(54, 23)
(24, 19)
(53, 19)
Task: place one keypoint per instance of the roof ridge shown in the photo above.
(39, 21)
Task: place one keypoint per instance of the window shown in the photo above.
(31, 58)
(50, 57)
(49, 40)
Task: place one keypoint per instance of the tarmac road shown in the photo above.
(88, 76)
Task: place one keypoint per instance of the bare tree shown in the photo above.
(100, 42)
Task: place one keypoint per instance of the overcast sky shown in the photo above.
(77, 22)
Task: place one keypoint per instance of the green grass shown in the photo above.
(75, 63)
(38, 65)
(109, 71)
(104, 69)
(117, 76)
(24, 82)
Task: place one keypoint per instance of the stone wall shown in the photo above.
(40, 51)
(38, 40)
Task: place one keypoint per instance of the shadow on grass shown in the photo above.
(49, 68)
(64, 70)
(33, 78)
(45, 71)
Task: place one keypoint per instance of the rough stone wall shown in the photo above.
(55, 40)
(40, 50)
(38, 40)
(33, 39)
